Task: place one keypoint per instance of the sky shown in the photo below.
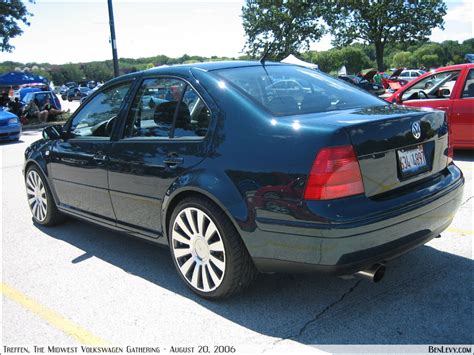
(78, 31)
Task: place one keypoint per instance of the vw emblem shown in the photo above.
(416, 130)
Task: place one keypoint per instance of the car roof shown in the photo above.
(210, 66)
(185, 68)
(455, 67)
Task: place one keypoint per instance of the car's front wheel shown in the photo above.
(208, 251)
(40, 200)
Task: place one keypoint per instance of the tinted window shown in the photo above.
(310, 91)
(97, 117)
(468, 90)
(193, 117)
(154, 107)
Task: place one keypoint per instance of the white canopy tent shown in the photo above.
(291, 59)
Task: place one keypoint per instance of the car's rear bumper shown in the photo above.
(345, 248)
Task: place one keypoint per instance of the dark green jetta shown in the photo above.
(247, 167)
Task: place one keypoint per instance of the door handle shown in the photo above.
(173, 161)
(99, 156)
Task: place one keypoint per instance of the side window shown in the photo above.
(468, 90)
(95, 120)
(435, 86)
(193, 117)
(153, 108)
(156, 105)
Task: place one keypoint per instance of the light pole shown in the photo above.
(112, 38)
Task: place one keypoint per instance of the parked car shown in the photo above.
(10, 126)
(290, 87)
(400, 77)
(41, 97)
(91, 84)
(363, 83)
(450, 89)
(410, 74)
(66, 87)
(77, 93)
(342, 180)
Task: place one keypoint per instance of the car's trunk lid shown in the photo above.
(383, 137)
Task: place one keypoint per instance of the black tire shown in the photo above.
(240, 270)
(53, 216)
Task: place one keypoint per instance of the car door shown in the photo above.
(428, 92)
(462, 118)
(78, 164)
(164, 136)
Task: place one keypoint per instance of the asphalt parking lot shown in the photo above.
(78, 283)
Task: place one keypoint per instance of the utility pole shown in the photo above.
(112, 38)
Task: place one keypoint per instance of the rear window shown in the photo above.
(292, 90)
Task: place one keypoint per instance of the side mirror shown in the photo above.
(53, 132)
(446, 93)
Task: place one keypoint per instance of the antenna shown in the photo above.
(265, 54)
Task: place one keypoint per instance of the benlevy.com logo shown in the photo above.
(442, 349)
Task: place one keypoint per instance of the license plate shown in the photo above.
(412, 161)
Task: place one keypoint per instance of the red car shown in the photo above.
(450, 89)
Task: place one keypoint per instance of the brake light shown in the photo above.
(335, 173)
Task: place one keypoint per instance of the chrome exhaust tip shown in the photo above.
(375, 273)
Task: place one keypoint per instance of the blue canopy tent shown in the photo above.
(15, 78)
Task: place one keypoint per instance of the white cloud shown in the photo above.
(459, 24)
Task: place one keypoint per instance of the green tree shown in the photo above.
(289, 24)
(468, 46)
(332, 60)
(12, 13)
(430, 55)
(430, 60)
(402, 60)
(71, 72)
(97, 71)
(354, 59)
(382, 22)
(452, 51)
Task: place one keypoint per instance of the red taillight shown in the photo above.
(335, 173)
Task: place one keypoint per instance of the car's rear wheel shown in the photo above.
(40, 200)
(208, 251)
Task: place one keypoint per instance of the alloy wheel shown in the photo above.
(36, 194)
(198, 249)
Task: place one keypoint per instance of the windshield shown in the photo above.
(292, 90)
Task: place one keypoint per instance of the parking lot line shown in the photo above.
(53, 318)
(460, 231)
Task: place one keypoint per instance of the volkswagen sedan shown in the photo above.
(237, 178)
